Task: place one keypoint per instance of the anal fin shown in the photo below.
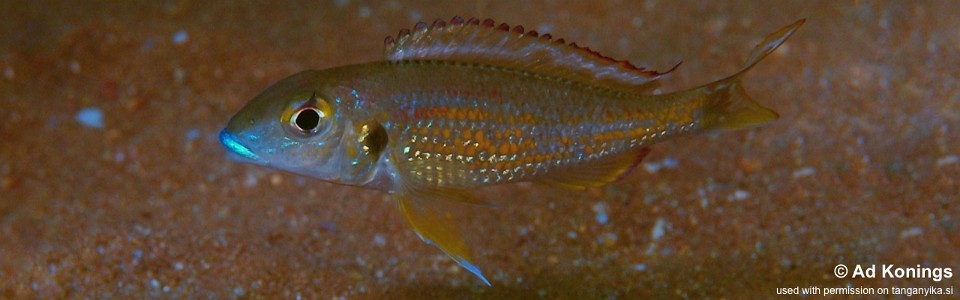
(424, 212)
(596, 173)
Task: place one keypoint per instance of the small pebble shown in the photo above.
(453, 269)
(651, 168)
(180, 37)
(782, 50)
(364, 12)
(522, 230)
(804, 172)
(415, 15)
(251, 180)
(670, 163)
(192, 134)
(8, 73)
(179, 76)
(946, 160)
(379, 240)
(608, 239)
(717, 25)
(914, 231)
(739, 195)
(666, 163)
(749, 164)
(657, 232)
(601, 210)
(553, 259)
(276, 179)
(90, 117)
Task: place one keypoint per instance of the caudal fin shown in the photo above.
(730, 107)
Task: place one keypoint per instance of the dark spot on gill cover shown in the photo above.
(374, 138)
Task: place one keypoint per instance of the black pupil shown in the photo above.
(308, 119)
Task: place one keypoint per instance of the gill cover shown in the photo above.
(364, 149)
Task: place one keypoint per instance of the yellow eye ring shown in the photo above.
(309, 116)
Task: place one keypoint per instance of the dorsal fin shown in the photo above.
(473, 41)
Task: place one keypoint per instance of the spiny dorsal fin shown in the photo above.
(484, 42)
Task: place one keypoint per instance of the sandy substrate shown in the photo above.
(113, 183)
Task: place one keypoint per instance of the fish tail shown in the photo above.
(729, 106)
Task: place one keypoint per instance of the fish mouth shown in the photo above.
(236, 150)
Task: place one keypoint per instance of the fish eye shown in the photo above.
(307, 119)
(307, 115)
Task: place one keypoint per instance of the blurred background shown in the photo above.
(113, 183)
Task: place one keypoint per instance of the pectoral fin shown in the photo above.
(423, 212)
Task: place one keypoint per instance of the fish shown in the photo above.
(459, 105)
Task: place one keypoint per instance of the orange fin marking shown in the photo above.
(478, 42)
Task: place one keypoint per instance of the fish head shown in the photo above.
(295, 125)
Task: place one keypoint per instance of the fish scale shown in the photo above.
(550, 150)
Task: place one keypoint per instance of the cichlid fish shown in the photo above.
(465, 104)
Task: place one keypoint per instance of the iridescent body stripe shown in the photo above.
(473, 125)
